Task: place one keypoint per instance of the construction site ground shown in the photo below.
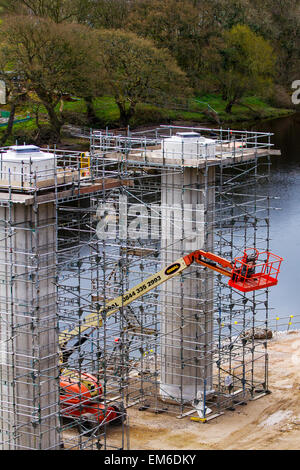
(271, 422)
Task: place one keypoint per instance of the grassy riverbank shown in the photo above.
(203, 109)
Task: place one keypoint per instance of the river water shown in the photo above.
(285, 223)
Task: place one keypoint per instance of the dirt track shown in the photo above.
(271, 422)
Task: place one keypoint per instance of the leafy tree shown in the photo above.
(279, 22)
(137, 71)
(245, 66)
(187, 28)
(192, 30)
(195, 32)
(53, 59)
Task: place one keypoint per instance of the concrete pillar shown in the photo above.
(29, 398)
(187, 303)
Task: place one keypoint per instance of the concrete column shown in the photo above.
(29, 398)
(187, 302)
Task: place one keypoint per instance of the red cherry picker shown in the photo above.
(252, 271)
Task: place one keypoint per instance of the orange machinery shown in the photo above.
(78, 402)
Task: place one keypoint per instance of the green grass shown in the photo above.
(20, 133)
(260, 109)
(108, 113)
(105, 107)
(146, 114)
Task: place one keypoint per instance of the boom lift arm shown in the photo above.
(238, 272)
(95, 320)
(253, 271)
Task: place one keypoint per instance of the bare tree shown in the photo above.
(54, 59)
(58, 11)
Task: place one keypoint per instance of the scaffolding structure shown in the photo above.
(100, 224)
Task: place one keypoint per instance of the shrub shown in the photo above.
(146, 115)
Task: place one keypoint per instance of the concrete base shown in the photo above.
(174, 393)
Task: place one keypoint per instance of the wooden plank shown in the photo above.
(28, 199)
(188, 413)
(259, 396)
(156, 157)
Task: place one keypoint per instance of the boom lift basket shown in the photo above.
(255, 270)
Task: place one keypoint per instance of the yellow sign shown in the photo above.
(85, 164)
(172, 269)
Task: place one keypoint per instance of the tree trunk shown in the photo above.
(228, 108)
(9, 124)
(55, 122)
(37, 117)
(125, 114)
(90, 110)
